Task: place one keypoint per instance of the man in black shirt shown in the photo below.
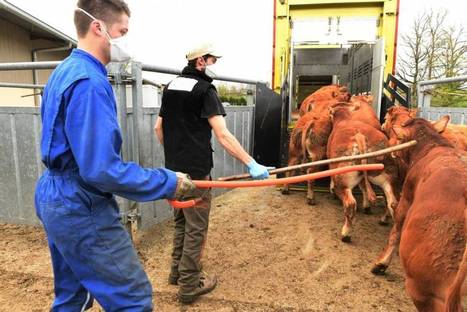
(190, 109)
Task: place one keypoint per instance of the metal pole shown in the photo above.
(443, 80)
(118, 73)
(35, 75)
(151, 83)
(172, 71)
(138, 122)
(28, 65)
(291, 78)
(21, 85)
(144, 67)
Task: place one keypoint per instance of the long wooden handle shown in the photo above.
(326, 161)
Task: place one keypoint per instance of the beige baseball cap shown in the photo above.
(202, 49)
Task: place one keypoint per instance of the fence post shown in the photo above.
(118, 75)
(138, 131)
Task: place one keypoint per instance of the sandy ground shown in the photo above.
(271, 253)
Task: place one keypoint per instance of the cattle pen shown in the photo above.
(272, 252)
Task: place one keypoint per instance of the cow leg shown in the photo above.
(310, 193)
(384, 181)
(331, 189)
(421, 299)
(285, 188)
(366, 203)
(350, 207)
(385, 257)
(293, 160)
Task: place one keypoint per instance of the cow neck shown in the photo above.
(427, 139)
(341, 115)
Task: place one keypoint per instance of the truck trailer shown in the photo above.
(322, 42)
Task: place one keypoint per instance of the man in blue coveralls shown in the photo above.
(92, 254)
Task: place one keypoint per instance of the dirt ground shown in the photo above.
(271, 253)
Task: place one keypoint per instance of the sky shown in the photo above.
(161, 31)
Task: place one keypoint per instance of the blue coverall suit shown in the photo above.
(92, 254)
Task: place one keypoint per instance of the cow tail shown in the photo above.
(361, 143)
(305, 132)
(453, 298)
(296, 137)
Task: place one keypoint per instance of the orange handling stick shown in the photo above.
(269, 182)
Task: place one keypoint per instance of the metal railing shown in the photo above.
(22, 124)
(424, 88)
(458, 115)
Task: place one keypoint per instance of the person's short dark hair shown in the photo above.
(108, 11)
(192, 62)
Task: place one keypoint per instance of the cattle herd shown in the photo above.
(425, 186)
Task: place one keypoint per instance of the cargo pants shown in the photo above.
(191, 227)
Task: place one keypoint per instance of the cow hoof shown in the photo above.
(285, 192)
(311, 201)
(383, 223)
(367, 210)
(346, 239)
(379, 269)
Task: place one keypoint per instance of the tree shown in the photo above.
(433, 50)
(454, 51)
(411, 67)
(434, 45)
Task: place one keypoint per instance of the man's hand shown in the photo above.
(185, 187)
(258, 171)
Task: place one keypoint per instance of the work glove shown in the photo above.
(185, 187)
(258, 171)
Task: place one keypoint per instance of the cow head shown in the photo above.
(396, 115)
(341, 110)
(426, 133)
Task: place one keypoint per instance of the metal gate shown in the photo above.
(425, 110)
(20, 132)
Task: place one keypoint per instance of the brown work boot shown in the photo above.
(173, 279)
(174, 276)
(206, 284)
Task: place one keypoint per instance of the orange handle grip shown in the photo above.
(183, 204)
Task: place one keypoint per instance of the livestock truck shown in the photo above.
(317, 43)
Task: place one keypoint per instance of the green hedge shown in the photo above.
(234, 100)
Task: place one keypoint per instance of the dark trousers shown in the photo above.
(191, 228)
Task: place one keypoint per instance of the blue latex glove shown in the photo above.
(258, 171)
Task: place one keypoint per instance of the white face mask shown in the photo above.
(210, 72)
(118, 46)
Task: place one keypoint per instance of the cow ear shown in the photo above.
(370, 98)
(400, 132)
(441, 124)
(413, 113)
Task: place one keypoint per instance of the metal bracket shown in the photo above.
(130, 216)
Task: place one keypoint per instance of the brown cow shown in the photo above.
(308, 141)
(314, 140)
(396, 115)
(431, 218)
(352, 137)
(325, 93)
(296, 151)
(363, 110)
(456, 134)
